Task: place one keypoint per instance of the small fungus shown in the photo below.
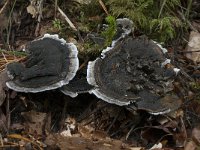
(77, 85)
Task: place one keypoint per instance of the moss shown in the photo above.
(110, 32)
(155, 18)
(195, 87)
(14, 53)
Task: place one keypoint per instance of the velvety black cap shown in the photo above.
(51, 64)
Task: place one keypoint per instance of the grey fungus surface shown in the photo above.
(76, 86)
(133, 72)
(51, 63)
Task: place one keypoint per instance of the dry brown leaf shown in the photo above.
(196, 24)
(193, 47)
(35, 122)
(32, 10)
(190, 146)
(85, 130)
(69, 126)
(196, 135)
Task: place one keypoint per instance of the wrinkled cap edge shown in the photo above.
(74, 65)
(102, 96)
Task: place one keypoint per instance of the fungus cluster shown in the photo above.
(133, 72)
(51, 63)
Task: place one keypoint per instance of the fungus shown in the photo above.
(51, 64)
(77, 85)
(133, 72)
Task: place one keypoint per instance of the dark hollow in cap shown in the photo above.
(132, 71)
(78, 84)
(51, 64)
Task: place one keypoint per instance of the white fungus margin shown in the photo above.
(73, 67)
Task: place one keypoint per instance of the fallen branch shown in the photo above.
(4, 7)
(40, 7)
(103, 6)
(67, 19)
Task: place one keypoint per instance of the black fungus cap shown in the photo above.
(133, 70)
(51, 64)
(78, 85)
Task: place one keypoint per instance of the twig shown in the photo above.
(4, 57)
(119, 130)
(190, 51)
(1, 139)
(130, 131)
(3, 122)
(55, 11)
(183, 18)
(84, 63)
(86, 111)
(103, 6)
(93, 112)
(185, 74)
(189, 5)
(63, 116)
(8, 110)
(17, 136)
(71, 24)
(67, 19)
(114, 120)
(161, 9)
(40, 7)
(9, 146)
(10, 24)
(4, 7)
(183, 128)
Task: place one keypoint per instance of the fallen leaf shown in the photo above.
(190, 146)
(196, 24)
(32, 10)
(35, 122)
(193, 47)
(156, 146)
(69, 125)
(196, 135)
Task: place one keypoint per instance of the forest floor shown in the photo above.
(51, 120)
